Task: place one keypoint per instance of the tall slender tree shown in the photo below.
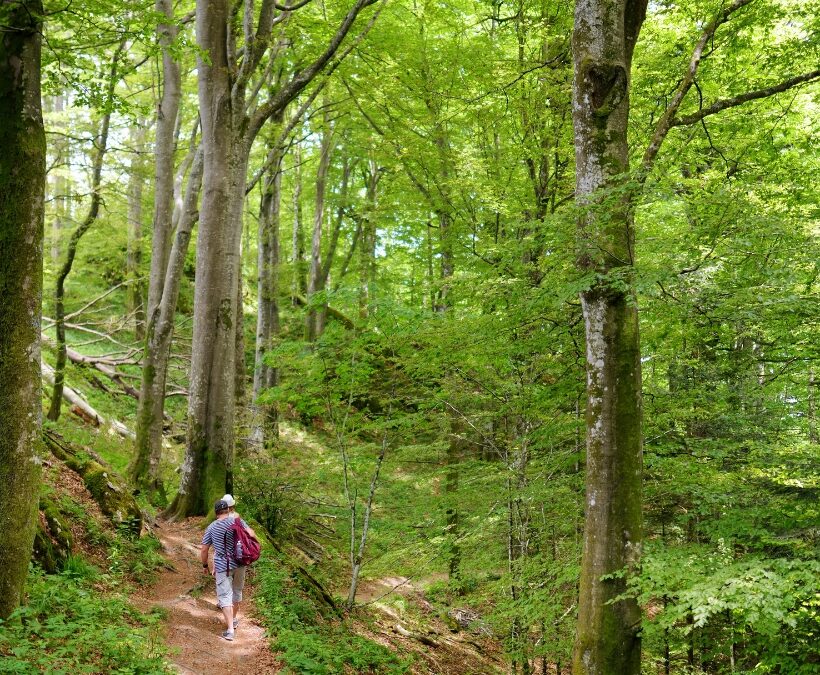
(134, 302)
(22, 188)
(604, 38)
(159, 315)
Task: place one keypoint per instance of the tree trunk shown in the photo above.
(267, 326)
(299, 284)
(240, 367)
(315, 317)
(144, 469)
(608, 633)
(22, 179)
(134, 292)
(101, 145)
(367, 245)
(230, 124)
(164, 277)
(60, 184)
(810, 404)
(210, 441)
(164, 146)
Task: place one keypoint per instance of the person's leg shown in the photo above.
(238, 586)
(224, 595)
(227, 612)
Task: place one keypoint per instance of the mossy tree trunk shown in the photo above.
(315, 317)
(22, 189)
(608, 633)
(367, 238)
(210, 441)
(299, 281)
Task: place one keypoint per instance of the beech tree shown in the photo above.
(604, 38)
(232, 115)
(603, 42)
(22, 176)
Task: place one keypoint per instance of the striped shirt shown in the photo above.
(220, 536)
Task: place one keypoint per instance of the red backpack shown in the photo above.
(246, 548)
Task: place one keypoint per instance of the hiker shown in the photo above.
(230, 577)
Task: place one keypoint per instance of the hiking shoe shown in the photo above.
(227, 635)
(235, 623)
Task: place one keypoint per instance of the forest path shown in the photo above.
(193, 623)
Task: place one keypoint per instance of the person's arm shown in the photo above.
(203, 556)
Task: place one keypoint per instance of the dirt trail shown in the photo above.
(194, 623)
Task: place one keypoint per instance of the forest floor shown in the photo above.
(193, 622)
(423, 632)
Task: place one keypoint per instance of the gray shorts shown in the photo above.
(229, 587)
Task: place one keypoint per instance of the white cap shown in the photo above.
(229, 500)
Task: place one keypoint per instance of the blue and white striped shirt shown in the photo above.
(220, 536)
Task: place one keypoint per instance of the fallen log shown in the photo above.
(104, 366)
(107, 489)
(83, 409)
(111, 373)
(341, 317)
(420, 637)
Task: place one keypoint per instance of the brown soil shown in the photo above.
(194, 623)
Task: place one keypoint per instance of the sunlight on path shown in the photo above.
(194, 623)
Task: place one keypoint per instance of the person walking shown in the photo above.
(230, 576)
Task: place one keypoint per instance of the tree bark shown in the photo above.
(811, 414)
(230, 124)
(164, 147)
(209, 451)
(22, 179)
(164, 276)
(367, 245)
(267, 327)
(299, 283)
(315, 317)
(144, 470)
(608, 633)
(134, 293)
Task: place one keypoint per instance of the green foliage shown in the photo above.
(710, 597)
(462, 110)
(308, 639)
(68, 626)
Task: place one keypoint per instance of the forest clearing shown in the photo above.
(409, 336)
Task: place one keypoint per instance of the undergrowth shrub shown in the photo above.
(307, 638)
(68, 626)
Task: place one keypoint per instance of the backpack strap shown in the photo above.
(227, 554)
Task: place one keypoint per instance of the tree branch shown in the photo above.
(301, 79)
(740, 99)
(291, 8)
(665, 123)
